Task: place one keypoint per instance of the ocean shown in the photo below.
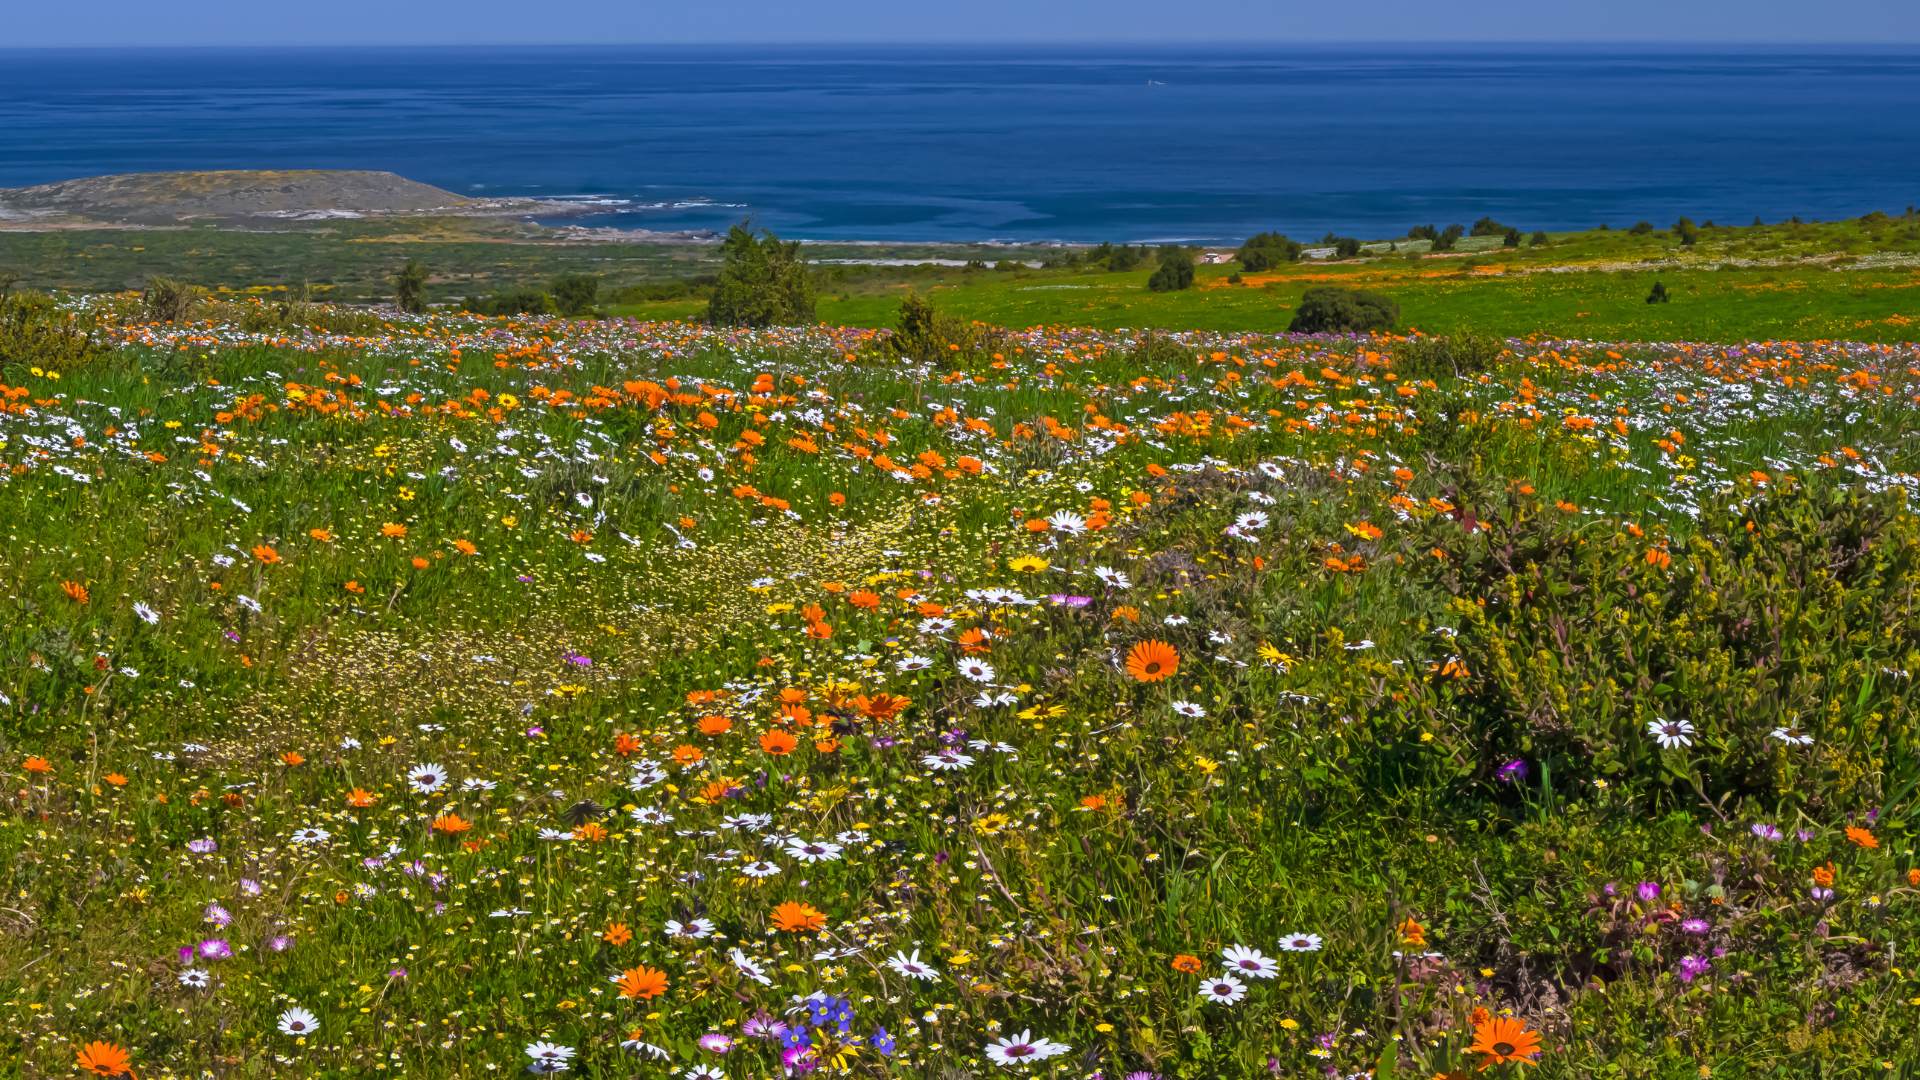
(1017, 143)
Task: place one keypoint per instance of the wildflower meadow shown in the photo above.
(445, 696)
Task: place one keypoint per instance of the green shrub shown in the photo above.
(574, 294)
(1264, 251)
(1175, 271)
(170, 300)
(410, 287)
(1326, 309)
(926, 334)
(36, 332)
(763, 282)
(1453, 356)
(1784, 604)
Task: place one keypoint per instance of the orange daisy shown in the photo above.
(1151, 661)
(1502, 1039)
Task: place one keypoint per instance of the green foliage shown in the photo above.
(1346, 247)
(1486, 226)
(763, 282)
(1327, 309)
(1787, 604)
(170, 300)
(1452, 356)
(527, 301)
(410, 287)
(925, 334)
(1658, 294)
(1264, 251)
(1687, 231)
(574, 294)
(36, 332)
(1175, 271)
(1447, 238)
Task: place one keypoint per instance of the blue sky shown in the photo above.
(329, 22)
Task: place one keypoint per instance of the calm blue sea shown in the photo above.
(936, 143)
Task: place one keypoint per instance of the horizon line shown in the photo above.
(1663, 43)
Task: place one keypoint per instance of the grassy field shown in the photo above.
(450, 697)
(1853, 280)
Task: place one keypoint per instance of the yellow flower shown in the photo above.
(1027, 564)
(1205, 764)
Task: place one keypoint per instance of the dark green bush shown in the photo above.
(1326, 309)
(170, 300)
(1175, 271)
(1264, 251)
(763, 282)
(1452, 356)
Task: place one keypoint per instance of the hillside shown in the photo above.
(234, 195)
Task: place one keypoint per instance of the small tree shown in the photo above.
(1346, 247)
(763, 282)
(169, 300)
(1658, 295)
(1687, 231)
(1325, 309)
(1486, 226)
(1264, 251)
(1538, 239)
(410, 287)
(1175, 271)
(1448, 237)
(1512, 238)
(926, 333)
(574, 294)
(1641, 228)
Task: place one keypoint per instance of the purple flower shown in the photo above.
(202, 846)
(1765, 831)
(397, 973)
(1648, 891)
(218, 915)
(1514, 771)
(1696, 926)
(715, 1043)
(279, 943)
(1692, 967)
(215, 949)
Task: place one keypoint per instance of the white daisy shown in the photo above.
(1023, 1048)
(1252, 963)
(977, 670)
(813, 850)
(1791, 736)
(548, 1057)
(194, 978)
(1300, 942)
(310, 836)
(911, 967)
(428, 778)
(1188, 709)
(1222, 990)
(298, 1021)
(1670, 733)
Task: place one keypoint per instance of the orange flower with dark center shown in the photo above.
(104, 1059)
(616, 933)
(1862, 837)
(1502, 1039)
(778, 743)
(715, 725)
(75, 591)
(451, 824)
(293, 757)
(116, 779)
(361, 798)
(625, 744)
(38, 764)
(641, 982)
(266, 554)
(1186, 964)
(794, 917)
(1151, 661)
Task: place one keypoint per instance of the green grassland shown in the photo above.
(1805, 281)
(445, 696)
